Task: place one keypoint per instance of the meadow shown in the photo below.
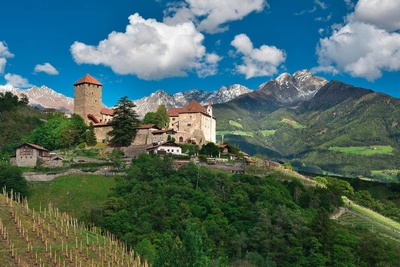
(72, 194)
(365, 151)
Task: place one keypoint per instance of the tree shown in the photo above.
(162, 118)
(91, 139)
(209, 149)
(150, 118)
(124, 123)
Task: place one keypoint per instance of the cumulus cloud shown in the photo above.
(47, 68)
(151, 50)
(210, 15)
(4, 53)
(16, 80)
(366, 45)
(263, 61)
(382, 13)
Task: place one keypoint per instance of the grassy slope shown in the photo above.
(366, 151)
(71, 193)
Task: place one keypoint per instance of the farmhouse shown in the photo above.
(27, 155)
(164, 148)
(193, 123)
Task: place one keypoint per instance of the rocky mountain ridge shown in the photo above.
(286, 89)
(42, 97)
(181, 99)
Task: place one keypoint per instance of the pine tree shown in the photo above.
(124, 123)
(91, 139)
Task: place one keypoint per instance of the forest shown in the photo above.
(196, 216)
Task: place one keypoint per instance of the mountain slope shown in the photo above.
(43, 97)
(338, 115)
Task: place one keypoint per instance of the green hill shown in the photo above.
(339, 115)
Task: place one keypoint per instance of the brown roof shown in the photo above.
(33, 145)
(195, 106)
(147, 126)
(88, 79)
(192, 107)
(174, 112)
(107, 111)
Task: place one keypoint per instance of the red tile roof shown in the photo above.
(107, 111)
(93, 118)
(195, 106)
(88, 79)
(174, 112)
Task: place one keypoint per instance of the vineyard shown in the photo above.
(47, 237)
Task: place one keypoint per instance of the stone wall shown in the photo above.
(26, 160)
(101, 132)
(142, 137)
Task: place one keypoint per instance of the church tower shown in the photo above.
(88, 99)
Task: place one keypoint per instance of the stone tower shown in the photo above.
(87, 98)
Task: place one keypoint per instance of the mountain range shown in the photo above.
(293, 117)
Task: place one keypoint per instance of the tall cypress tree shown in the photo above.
(91, 139)
(124, 123)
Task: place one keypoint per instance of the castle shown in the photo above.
(89, 105)
(191, 124)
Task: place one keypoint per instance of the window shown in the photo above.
(173, 119)
(189, 124)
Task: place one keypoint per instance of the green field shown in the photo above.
(294, 124)
(366, 151)
(236, 124)
(385, 175)
(71, 193)
(268, 132)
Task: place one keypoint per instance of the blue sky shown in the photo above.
(137, 47)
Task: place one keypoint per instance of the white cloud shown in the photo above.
(47, 68)
(257, 62)
(360, 49)
(213, 13)
(16, 80)
(4, 53)
(321, 4)
(3, 62)
(366, 45)
(306, 11)
(321, 31)
(382, 13)
(149, 49)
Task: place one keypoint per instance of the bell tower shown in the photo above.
(88, 98)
